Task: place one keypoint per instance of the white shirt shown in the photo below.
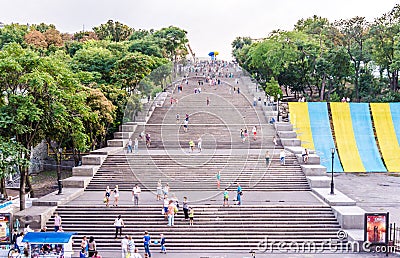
(19, 240)
(131, 245)
(124, 244)
(118, 222)
(136, 190)
(166, 202)
(282, 154)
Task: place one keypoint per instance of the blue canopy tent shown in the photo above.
(60, 242)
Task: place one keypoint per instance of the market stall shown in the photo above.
(49, 244)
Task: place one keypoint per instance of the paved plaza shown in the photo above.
(374, 192)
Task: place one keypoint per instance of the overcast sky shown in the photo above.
(211, 24)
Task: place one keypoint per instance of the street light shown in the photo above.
(332, 185)
(256, 82)
(277, 107)
(164, 83)
(59, 181)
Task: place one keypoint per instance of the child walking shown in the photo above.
(226, 197)
(162, 243)
(191, 216)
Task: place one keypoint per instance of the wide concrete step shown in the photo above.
(216, 227)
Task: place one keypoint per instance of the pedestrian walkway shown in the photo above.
(373, 192)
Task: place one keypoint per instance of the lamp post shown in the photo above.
(277, 107)
(256, 83)
(59, 181)
(332, 184)
(164, 83)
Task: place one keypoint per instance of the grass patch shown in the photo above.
(46, 182)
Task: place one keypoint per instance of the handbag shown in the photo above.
(105, 199)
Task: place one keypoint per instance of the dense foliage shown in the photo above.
(321, 60)
(71, 90)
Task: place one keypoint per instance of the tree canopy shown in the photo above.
(71, 90)
(320, 59)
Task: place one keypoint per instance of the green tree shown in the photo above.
(384, 41)
(100, 119)
(40, 96)
(140, 34)
(353, 35)
(147, 46)
(42, 27)
(65, 110)
(118, 98)
(10, 160)
(114, 31)
(95, 59)
(13, 33)
(174, 42)
(239, 42)
(273, 89)
(130, 70)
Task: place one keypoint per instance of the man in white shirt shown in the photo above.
(135, 192)
(124, 246)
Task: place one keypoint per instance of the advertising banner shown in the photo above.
(376, 228)
(5, 228)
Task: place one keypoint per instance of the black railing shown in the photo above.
(394, 236)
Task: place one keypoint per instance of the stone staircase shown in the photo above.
(215, 228)
(197, 172)
(221, 229)
(218, 124)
